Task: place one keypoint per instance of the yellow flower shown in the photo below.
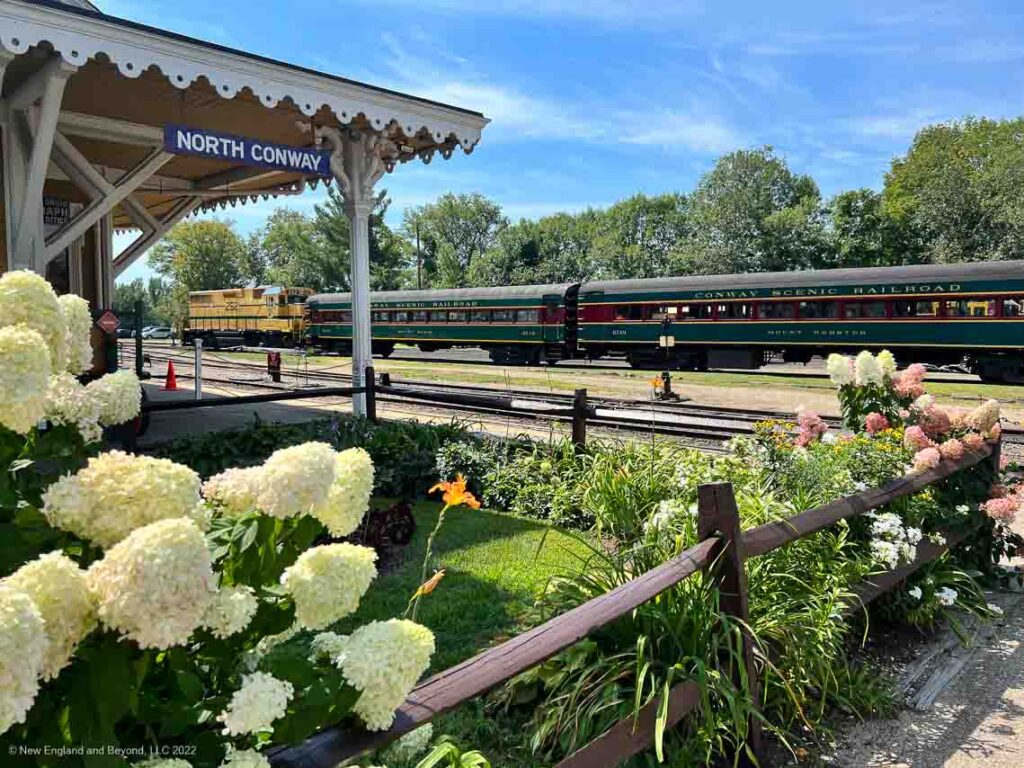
(455, 493)
(430, 584)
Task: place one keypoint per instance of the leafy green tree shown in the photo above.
(638, 237)
(125, 297)
(751, 213)
(293, 248)
(201, 254)
(961, 187)
(453, 232)
(863, 234)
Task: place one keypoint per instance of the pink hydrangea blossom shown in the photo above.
(973, 441)
(875, 423)
(935, 422)
(952, 449)
(915, 438)
(908, 383)
(998, 491)
(995, 432)
(1004, 509)
(811, 427)
(927, 458)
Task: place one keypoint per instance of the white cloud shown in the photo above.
(688, 130)
(618, 12)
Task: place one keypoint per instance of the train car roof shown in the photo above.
(500, 292)
(984, 270)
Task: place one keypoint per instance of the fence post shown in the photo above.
(370, 383)
(717, 515)
(579, 419)
(139, 308)
(198, 365)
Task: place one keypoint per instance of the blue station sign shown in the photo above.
(182, 140)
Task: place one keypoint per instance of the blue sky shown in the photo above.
(595, 100)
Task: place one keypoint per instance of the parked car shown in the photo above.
(158, 332)
(125, 333)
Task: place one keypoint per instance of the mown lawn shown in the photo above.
(495, 564)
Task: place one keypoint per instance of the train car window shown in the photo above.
(970, 308)
(629, 312)
(346, 316)
(480, 316)
(665, 312)
(818, 310)
(1012, 308)
(867, 310)
(527, 316)
(420, 316)
(456, 317)
(734, 310)
(915, 308)
(503, 316)
(695, 312)
(383, 317)
(401, 317)
(775, 310)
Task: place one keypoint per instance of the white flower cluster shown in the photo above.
(839, 369)
(893, 543)
(117, 493)
(349, 495)
(296, 480)
(156, 584)
(26, 298)
(384, 660)
(946, 596)
(58, 588)
(78, 321)
(255, 706)
(69, 403)
(119, 396)
(24, 375)
(915, 592)
(244, 758)
(866, 369)
(667, 511)
(230, 610)
(234, 490)
(984, 417)
(327, 582)
(327, 645)
(412, 745)
(23, 647)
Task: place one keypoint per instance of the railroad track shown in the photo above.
(709, 425)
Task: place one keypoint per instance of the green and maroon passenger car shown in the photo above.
(931, 313)
(519, 324)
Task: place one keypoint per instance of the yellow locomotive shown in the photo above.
(265, 315)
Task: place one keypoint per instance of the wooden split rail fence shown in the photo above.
(720, 554)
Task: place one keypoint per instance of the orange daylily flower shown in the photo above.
(430, 584)
(656, 382)
(455, 493)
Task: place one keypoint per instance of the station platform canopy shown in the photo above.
(112, 125)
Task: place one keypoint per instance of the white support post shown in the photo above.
(358, 161)
(199, 368)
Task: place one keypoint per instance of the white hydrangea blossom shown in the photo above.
(296, 480)
(255, 706)
(78, 320)
(59, 590)
(349, 495)
(24, 376)
(117, 493)
(887, 363)
(23, 648)
(156, 584)
(946, 596)
(984, 417)
(384, 660)
(327, 645)
(937, 539)
(412, 745)
(915, 592)
(26, 298)
(839, 369)
(245, 758)
(867, 369)
(923, 403)
(994, 609)
(234, 490)
(230, 610)
(119, 395)
(327, 582)
(69, 403)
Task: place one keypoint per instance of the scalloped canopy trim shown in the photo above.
(133, 49)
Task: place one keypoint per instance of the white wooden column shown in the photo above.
(358, 161)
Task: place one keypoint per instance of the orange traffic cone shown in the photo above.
(172, 380)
